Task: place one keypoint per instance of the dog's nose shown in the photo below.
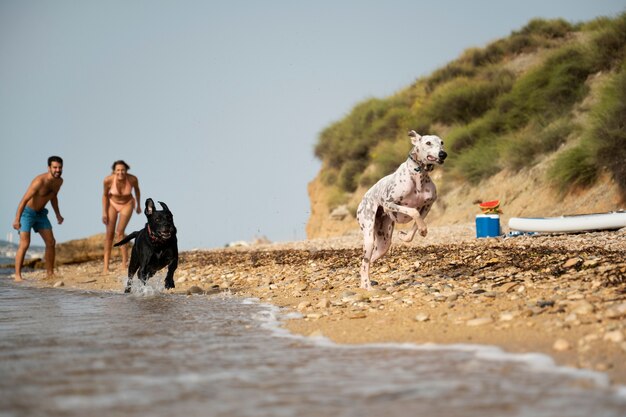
(442, 155)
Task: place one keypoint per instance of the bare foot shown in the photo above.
(18, 278)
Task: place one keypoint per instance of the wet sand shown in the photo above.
(562, 295)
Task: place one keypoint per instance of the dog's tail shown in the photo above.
(127, 239)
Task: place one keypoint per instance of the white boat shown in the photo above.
(572, 223)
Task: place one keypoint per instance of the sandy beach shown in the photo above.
(562, 295)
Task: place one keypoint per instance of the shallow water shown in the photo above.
(66, 353)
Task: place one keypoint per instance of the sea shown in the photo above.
(149, 353)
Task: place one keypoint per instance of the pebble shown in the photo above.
(572, 262)
(323, 303)
(352, 298)
(58, 284)
(616, 336)
(303, 305)
(480, 321)
(421, 317)
(194, 290)
(181, 280)
(509, 286)
(582, 308)
(561, 345)
(506, 316)
(616, 312)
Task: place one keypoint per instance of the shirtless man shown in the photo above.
(32, 213)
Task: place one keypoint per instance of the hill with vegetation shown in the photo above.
(537, 120)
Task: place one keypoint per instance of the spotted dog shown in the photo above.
(406, 195)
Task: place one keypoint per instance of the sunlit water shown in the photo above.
(69, 353)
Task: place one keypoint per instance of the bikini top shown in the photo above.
(114, 191)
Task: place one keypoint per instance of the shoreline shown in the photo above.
(560, 295)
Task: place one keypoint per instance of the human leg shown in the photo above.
(50, 242)
(108, 239)
(21, 253)
(120, 230)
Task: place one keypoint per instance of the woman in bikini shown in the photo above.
(117, 201)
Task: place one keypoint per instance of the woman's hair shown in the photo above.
(120, 162)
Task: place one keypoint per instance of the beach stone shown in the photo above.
(181, 280)
(194, 289)
(561, 345)
(379, 293)
(616, 312)
(452, 297)
(583, 307)
(509, 286)
(616, 336)
(421, 317)
(480, 321)
(572, 262)
(59, 284)
(340, 213)
(352, 298)
(506, 316)
(316, 334)
(314, 316)
(303, 305)
(358, 315)
(323, 303)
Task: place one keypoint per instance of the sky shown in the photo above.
(215, 105)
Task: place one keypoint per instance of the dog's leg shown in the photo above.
(169, 278)
(133, 266)
(368, 248)
(408, 236)
(383, 230)
(419, 220)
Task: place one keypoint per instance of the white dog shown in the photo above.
(407, 194)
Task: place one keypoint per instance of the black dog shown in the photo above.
(155, 246)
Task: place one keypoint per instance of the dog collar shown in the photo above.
(418, 168)
(153, 238)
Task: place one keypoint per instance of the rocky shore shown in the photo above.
(562, 295)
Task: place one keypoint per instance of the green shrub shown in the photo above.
(603, 144)
(337, 197)
(465, 136)
(388, 155)
(608, 47)
(521, 148)
(452, 70)
(477, 163)
(549, 29)
(462, 99)
(608, 128)
(329, 176)
(349, 174)
(575, 167)
(547, 92)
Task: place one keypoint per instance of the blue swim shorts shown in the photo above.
(36, 220)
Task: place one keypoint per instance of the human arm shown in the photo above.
(28, 195)
(54, 201)
(137, 194)
(105, 202)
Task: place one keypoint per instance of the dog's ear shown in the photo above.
(149, 207)
(415, 137)
(165, 207)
